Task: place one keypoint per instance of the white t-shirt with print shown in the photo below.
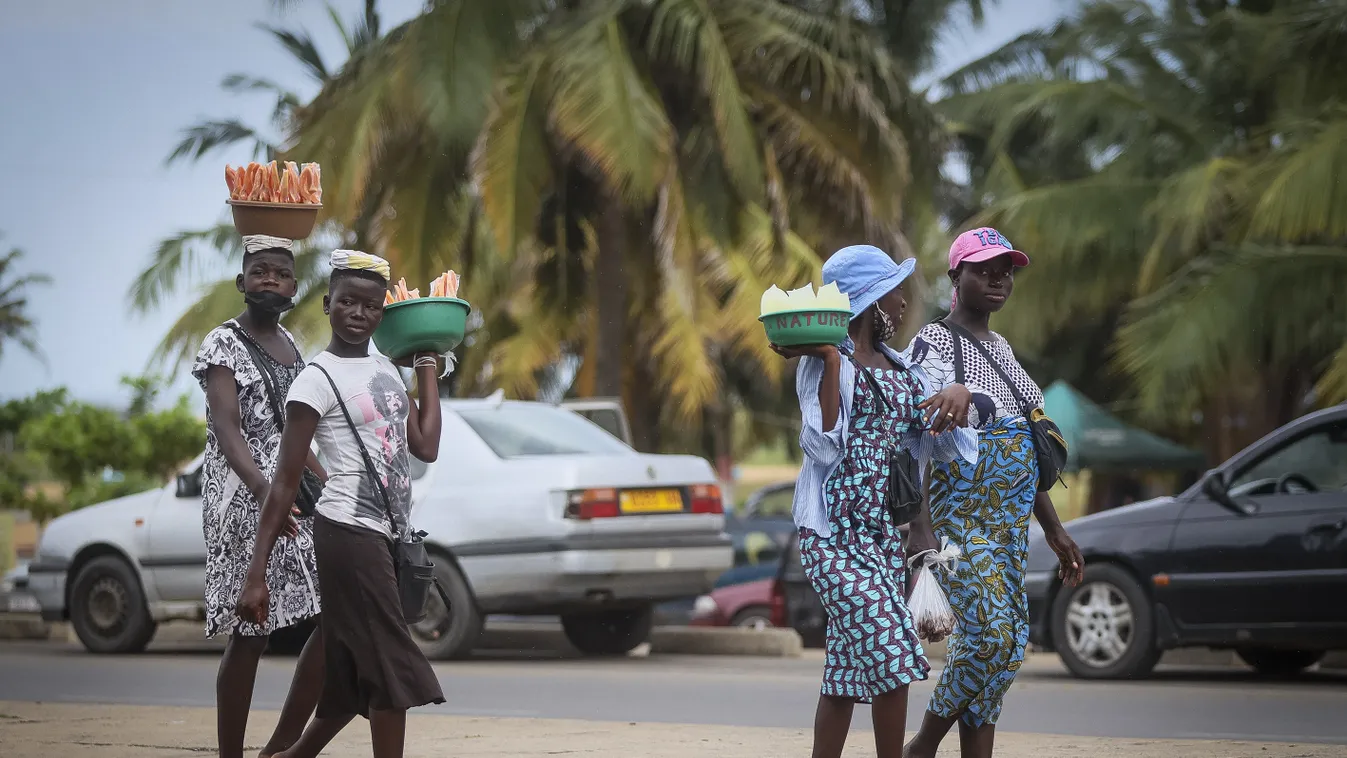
(933, 348)
(377, 400)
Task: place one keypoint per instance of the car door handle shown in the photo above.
(1330, 526)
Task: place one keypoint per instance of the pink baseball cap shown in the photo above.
(983, 244)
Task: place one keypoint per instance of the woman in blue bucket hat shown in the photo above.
(860, 401)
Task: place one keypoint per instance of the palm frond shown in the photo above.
(511, 163)
(684, 33)
(1180, 336)
(200, 139)
(606, 110)
(1303, 198)
(300, 45)
(183, 256)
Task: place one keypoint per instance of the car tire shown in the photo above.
(615, 632)
(107, 607)
(1279, 663)
(753, 617)
(453, 635)
(290, 640)
(1105, 627)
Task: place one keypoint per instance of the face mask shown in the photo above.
(884, 326)
(268, 302)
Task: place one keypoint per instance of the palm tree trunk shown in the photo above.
(610, 296)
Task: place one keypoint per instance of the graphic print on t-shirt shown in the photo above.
(386, 404)
(377, 401)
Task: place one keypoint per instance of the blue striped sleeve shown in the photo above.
(823, 448)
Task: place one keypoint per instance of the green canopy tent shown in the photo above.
(1099, 441)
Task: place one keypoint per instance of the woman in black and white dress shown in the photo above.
(242, 441)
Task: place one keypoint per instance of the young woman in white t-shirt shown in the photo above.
(372, 667)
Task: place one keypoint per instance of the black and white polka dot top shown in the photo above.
(933, 349)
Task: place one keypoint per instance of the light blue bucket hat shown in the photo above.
(866, 274)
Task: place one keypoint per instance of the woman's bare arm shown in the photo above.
(424, 422)
(222, 397)
(300, 422)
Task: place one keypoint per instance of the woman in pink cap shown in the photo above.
(985, 508)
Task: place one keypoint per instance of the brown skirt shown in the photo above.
(371, 661)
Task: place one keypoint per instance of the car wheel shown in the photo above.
(107, 608)
(1279, 663)
(1105, 628)
(753, 617)
(290, 640)
(609, 632)
(449, 633)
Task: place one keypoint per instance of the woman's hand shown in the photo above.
(822, 352)
(260, 491)
(253, 602)
(947, 408)
(1070, 563)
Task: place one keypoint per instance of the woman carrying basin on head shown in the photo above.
(372, 666)
(861, 401)
(245, 367)
(984, 509)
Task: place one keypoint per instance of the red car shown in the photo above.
(752, 605)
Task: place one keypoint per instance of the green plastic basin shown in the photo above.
(809, 327)
(422, 325)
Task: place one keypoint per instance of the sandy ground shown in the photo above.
(30, 730)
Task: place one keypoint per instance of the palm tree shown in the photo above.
(15, 323)
(194, 254)
(1173, 170)
(642, 171)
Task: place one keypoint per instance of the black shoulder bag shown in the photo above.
(310, 486)
(411, 562)
(1049, 444)
(903, 498)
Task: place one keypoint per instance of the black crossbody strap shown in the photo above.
(874, 383)
(269, 380)
(959, 331)
(370, 470)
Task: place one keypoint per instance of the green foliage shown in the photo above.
(16, 325)
(1177, 164)
(92, 453)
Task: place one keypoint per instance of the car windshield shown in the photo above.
(516, 431)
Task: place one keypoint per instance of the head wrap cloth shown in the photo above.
(354, 259)
(256, 243)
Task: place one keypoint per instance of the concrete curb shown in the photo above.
(664, 640)
(23, 626)
(1336, 660)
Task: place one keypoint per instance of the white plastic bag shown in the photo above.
(931, 612)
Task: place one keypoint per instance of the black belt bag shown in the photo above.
(411, 561)
(903, 498)
(1049, 445)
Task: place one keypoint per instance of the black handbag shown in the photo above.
(903, 498)
(310, 486)
(411, 561)
(1050, 447)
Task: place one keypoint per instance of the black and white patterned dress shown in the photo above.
(230, 513)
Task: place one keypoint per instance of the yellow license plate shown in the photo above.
(651, 501)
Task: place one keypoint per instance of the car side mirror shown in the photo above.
(189, 484)
(1215, 487)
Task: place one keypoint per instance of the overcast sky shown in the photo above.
(95, 94)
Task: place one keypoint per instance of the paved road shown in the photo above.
(1192, 703)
